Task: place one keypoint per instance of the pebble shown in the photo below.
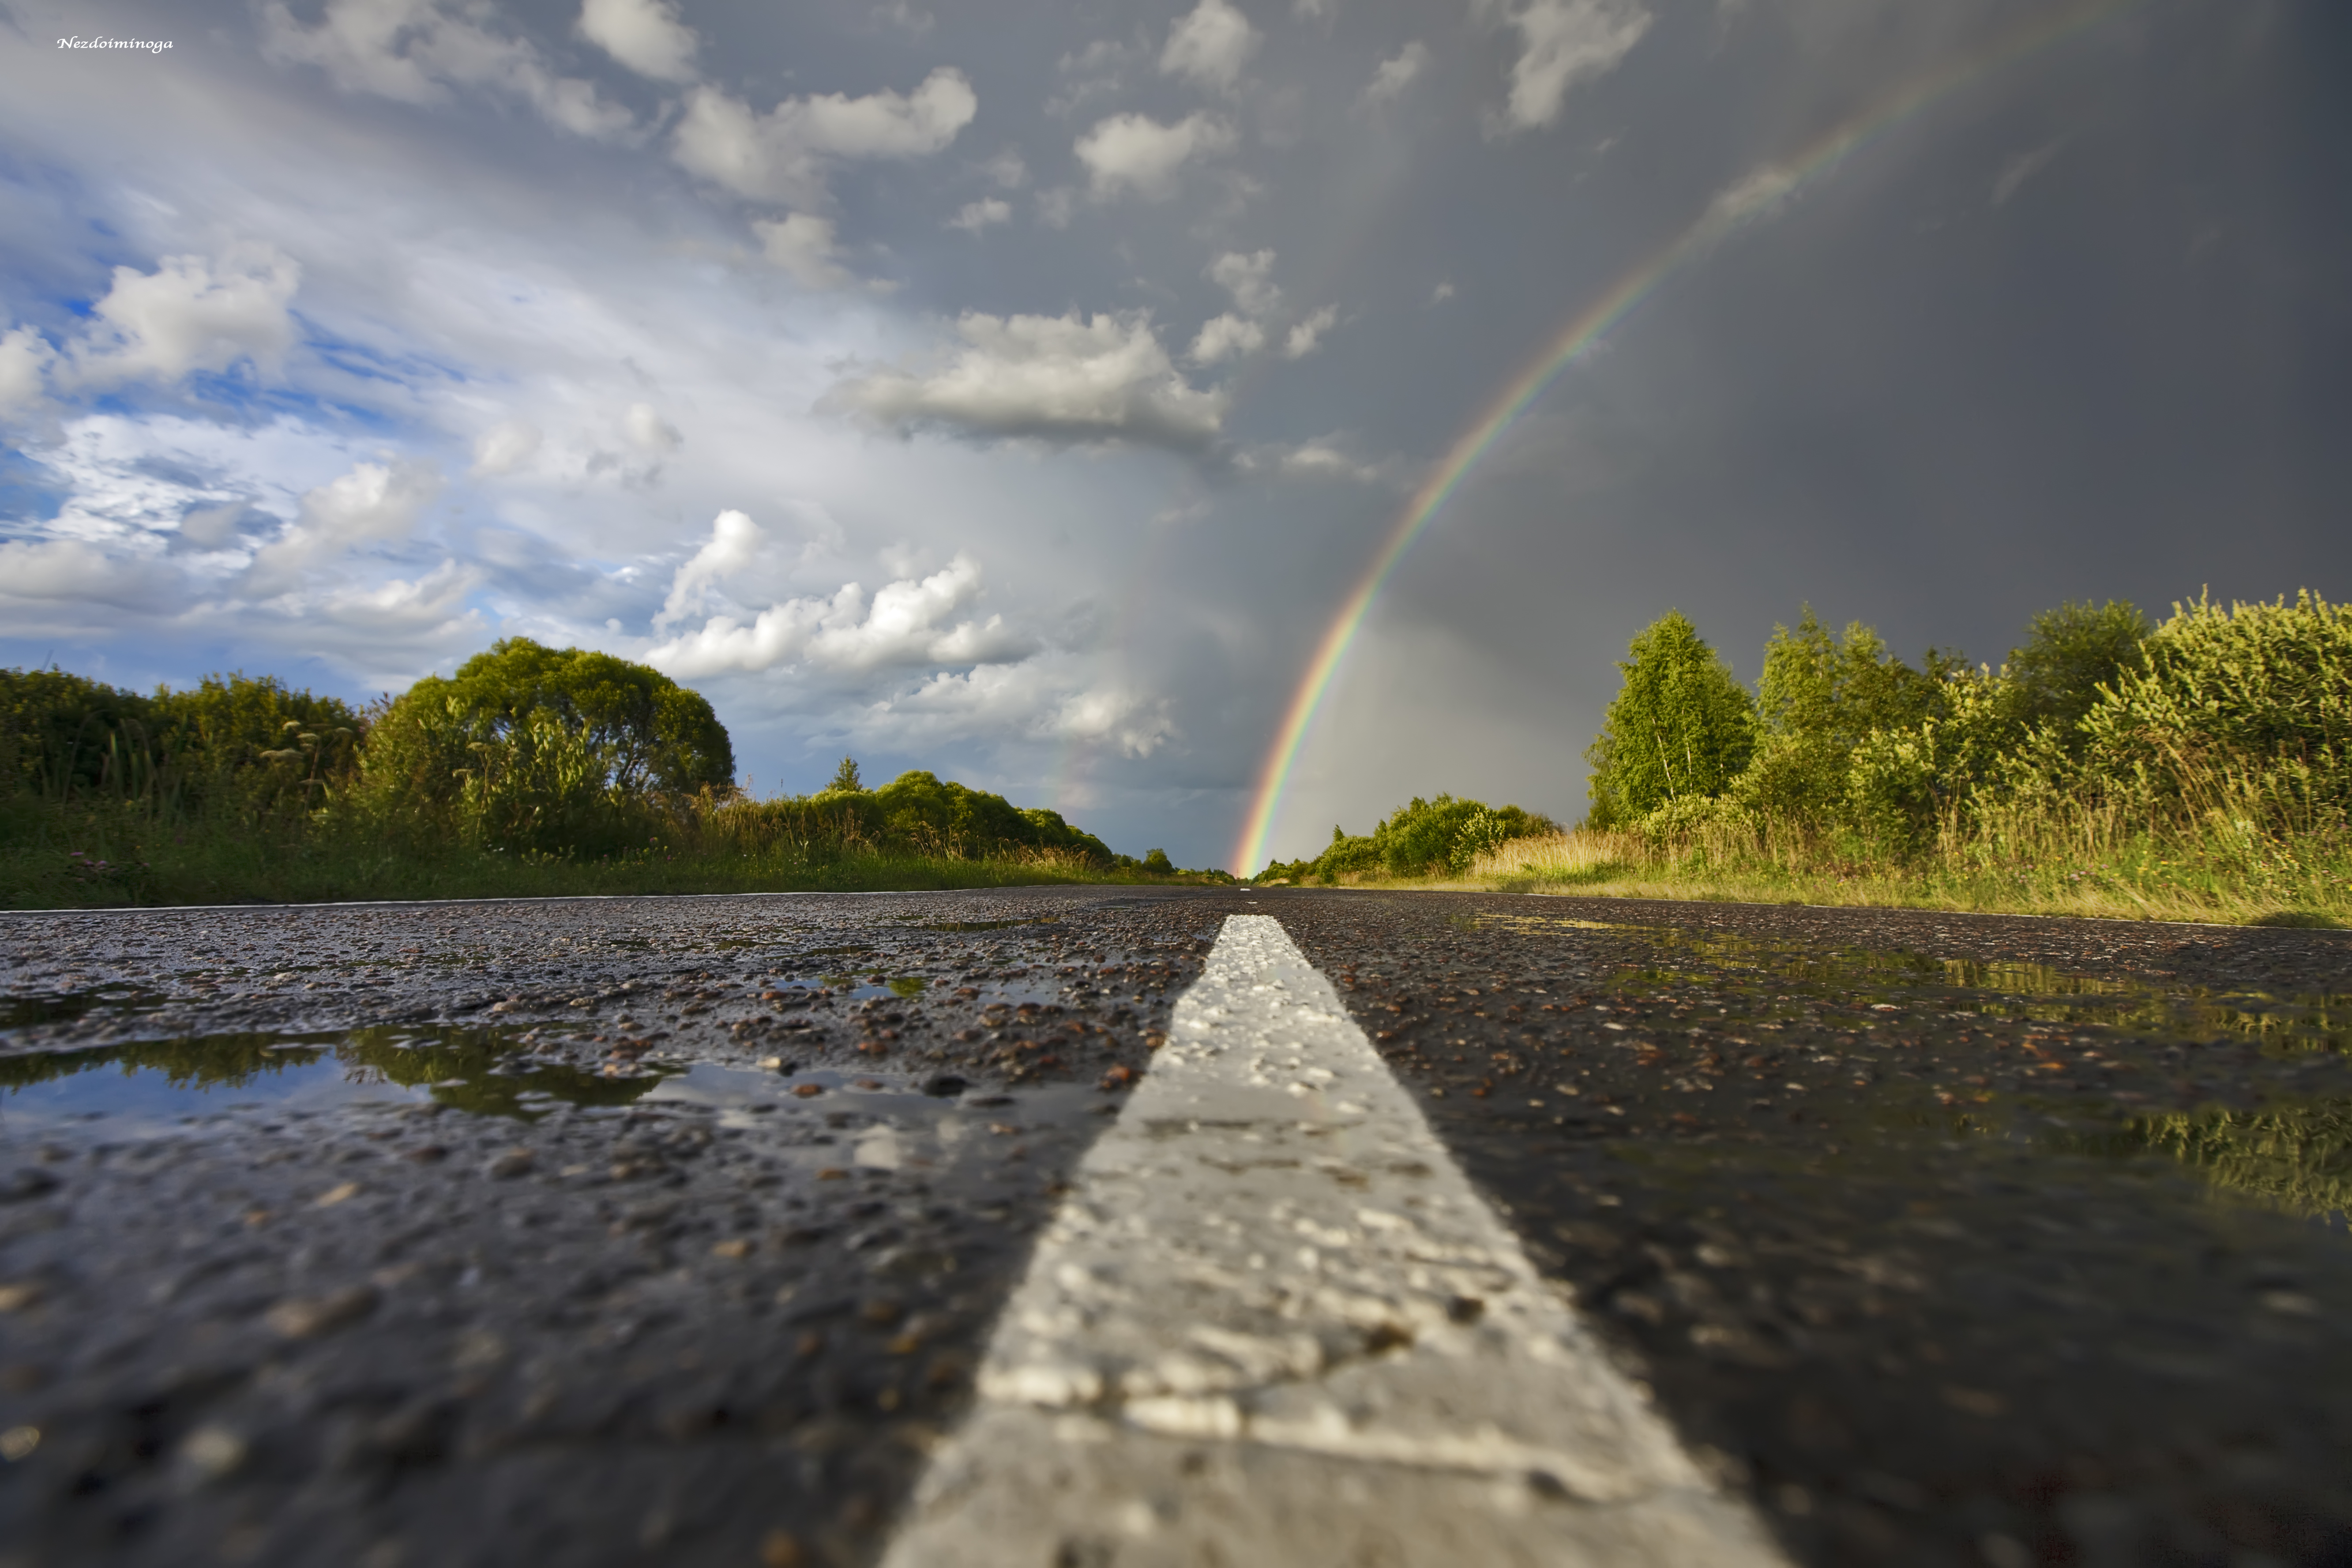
(303, 1318)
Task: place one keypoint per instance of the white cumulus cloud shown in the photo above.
(1563, 42)
(781, 155)
(1069, 378)
(1039, 700)
(1306, 336)
(644, 35)
(911, 623)
(191, 315)
(1227, 337)
(373, 502)
(504, 448)
(1397, 72)
(735, 542)
(1210, 45)
(1248, 277)
(415, 50)
(1135, 152)
(803, 243)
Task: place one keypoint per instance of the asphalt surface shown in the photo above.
(671, 1230)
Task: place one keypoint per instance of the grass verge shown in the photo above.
(98, 858)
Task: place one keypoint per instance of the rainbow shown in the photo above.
(1760, 195)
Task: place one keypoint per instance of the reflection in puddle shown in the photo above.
(485, 1071)
(2030, 993)
(1963, 1052)
(857, 988)
(64, 1007)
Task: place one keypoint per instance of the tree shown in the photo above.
(2054, 680)
(1680, 725)
(846, 779)
(528, 747)
(1156, 861)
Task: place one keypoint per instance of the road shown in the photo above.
(677, 1230)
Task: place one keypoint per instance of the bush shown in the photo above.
(2267, 683)
(528, 749)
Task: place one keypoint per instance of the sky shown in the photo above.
(1024, 390)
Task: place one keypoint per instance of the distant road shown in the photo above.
(677, 1230)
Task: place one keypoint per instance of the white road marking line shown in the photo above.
(1274, 1324)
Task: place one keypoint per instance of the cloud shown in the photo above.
(1056, 378)
(1227, 337)
(802, 244)
(1564, 42)
(1007, 169)
(373, 502)
(781, 155)
(1757, 192)
(1397, 72)
(1318, 460)
(644, 35)
(978, 216)
(649, 432)
(735, 542)
(1208, 45)
(73, 571)
(1306, 336)
(412, 51)
(25, 360)
(1248, 277)
(2021, 168)
(1136, 153)
(909, 624)
(905, 19)
(1037, 700)
(184, 317)
(502, 448)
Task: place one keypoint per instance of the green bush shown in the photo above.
(533, 750)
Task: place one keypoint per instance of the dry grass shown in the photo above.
(2212, 868)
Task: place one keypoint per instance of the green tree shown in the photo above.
(1156, 861)
(2071, 651)
(1680, 725)
(526, 747)
(845, 779)
(1820, 700)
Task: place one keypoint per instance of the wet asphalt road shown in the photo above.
(670, 1230)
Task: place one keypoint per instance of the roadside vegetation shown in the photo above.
(531, 770)
(2199, 769)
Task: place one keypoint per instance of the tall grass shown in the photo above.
(94, 854)
(2231, 842)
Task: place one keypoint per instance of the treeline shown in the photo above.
(526, 757)
(2199, 768)
(1844, 744)
(1420, 838)
(2195, 768)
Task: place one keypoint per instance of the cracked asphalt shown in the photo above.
(671, 1230)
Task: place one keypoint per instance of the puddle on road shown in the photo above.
(161, 1084)
(1889, 1055)
(822, 1117)
(2015, 991)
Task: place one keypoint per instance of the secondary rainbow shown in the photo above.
(1758, 195)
